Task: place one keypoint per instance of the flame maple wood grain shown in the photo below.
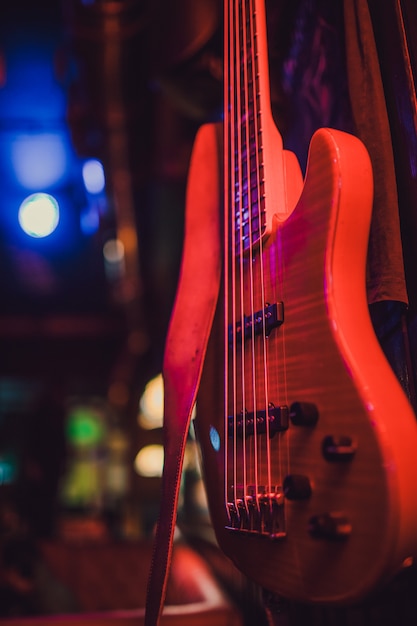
(326, 353)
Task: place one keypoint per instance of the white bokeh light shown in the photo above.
(39, 215)
(149, 461)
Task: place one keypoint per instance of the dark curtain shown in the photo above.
(348, 65)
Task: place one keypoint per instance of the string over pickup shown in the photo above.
(259, 323)
(244, 425)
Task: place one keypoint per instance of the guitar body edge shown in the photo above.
(324, 353)
(388, 408)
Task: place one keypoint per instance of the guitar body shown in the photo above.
(357, 522)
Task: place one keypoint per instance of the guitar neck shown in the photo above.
(253, 146)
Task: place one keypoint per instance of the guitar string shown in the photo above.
(235, 309)
(238, 471)
(258, 130)
(239, 468)
(226, 209)
(248, 108)
(239, 123)
(237, 112)
(259, 20)
(274, 298)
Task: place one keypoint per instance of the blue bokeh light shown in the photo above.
(39, 160)
(89, 219)
(215, 438)
(93, 176)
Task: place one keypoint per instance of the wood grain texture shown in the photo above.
(325, 353)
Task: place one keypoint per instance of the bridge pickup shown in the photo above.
(244, 425)
(261, 322)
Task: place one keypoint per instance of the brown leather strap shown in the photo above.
(186, 344)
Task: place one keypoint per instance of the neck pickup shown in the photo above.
(260, 323)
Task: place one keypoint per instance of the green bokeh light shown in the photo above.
(85, 427)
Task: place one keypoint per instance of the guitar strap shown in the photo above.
(186, 345)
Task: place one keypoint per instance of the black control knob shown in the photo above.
(297, 487)
(338, 449)
(330, 526)
(304, 414)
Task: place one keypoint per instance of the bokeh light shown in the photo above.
(39, 160)
(149, 461)
(151, 404)
(93, 176)
(39, 215)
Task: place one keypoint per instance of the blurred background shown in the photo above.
(96, 131)
(100, 101)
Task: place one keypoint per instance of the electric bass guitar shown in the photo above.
(308, 442)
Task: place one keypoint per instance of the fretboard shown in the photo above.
(243, 123)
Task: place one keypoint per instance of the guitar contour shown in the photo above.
(308, 441)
